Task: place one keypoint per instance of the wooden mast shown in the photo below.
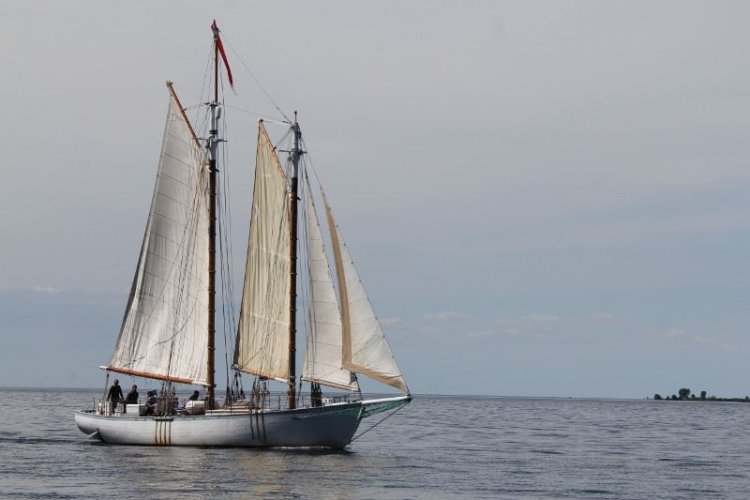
(296, 153)
(213, 141)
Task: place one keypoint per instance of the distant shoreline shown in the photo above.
(685, 394)
(712, 399)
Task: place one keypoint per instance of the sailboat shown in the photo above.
(169, 326)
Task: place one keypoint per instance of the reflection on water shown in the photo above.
(434, 448)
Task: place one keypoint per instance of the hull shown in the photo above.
(330, 426)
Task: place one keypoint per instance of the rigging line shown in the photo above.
(308, 160)
(379, 422)
(228, 323)
(267, 119)
(225, 178)
(207, 73)
(226, 280)
(228, 250)
(255, 78)
(206, 77)
(190, 108)
(184, 91)
(227, 199)
(280, 142)
(225, 225)
(281, 123)
(305, 287)
(203, 97)
(222, 280)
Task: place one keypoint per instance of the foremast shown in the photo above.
(295, 154)
(212, 144)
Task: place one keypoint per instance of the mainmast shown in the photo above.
(296, 153)
(212, 147)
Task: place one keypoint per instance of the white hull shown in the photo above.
(331, 426)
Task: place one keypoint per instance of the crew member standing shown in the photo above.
(114, 396)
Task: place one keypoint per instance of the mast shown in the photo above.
(212, 146)
(296, 154)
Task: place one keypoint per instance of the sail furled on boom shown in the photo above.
(262, 346)
(323, 362)
(165, 328)
(365, 349)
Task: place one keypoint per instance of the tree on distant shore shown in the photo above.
(686, 395)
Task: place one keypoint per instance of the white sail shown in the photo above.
(165, 328)
(263, 336)
(324, 339)
(365, 349)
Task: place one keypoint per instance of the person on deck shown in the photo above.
(151, 402)
(195, 396)
(114, 396)
(132, 397)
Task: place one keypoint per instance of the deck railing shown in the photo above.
(175, 405)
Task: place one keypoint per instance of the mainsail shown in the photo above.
(365, 349)
(165, 327)
(324, 343)
(263, 335)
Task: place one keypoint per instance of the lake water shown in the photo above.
(437, 447)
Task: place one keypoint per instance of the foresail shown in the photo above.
(263, 333)
(365, 349)
(324, 342)
(165, 328)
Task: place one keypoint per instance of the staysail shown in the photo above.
(263, 333)
(365, 349)
(324, 342)
(165, 328)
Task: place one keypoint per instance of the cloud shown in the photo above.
(531, 320)
(391, 321)
(600, 316)
(551, 326)
(47, 290)
(479, 334)
(542, 318)
(553, 319)
(704, 341)
(51, 294)
(31, 290)
(674, 333)
(447, 316)
(527, 333)
(727, 346)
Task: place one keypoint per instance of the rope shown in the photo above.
(378, 423)
(266, 119)
(225, 247)
(256, 80)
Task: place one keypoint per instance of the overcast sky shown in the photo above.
(543, 198)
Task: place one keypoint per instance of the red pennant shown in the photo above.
(220, 46)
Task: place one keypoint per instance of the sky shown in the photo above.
(542, 198)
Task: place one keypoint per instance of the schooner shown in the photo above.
(169, 326)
